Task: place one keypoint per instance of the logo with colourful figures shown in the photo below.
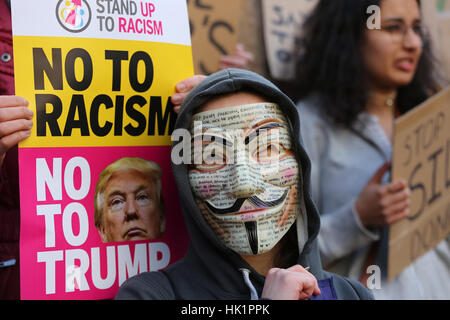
(73, 15)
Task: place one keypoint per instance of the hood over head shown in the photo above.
(210, 269)
(204, 242)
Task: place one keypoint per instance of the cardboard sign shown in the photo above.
(421, 155)
(214, 31)
(97, 196)
(283, 21)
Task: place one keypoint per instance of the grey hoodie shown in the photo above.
(209, 270)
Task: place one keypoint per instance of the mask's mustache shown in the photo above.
(254, 200)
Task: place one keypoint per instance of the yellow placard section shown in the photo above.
(97, 85)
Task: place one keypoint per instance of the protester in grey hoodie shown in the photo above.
(224, 259)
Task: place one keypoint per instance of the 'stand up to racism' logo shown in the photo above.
(73, 15)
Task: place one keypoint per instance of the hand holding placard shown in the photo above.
(379, 205)
(422, 156)
(15, 122)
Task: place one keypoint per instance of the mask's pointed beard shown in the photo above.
(252, 234)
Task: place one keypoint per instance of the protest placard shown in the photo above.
(421, 155)
(283, 21)
(98, 199)
(214, 32)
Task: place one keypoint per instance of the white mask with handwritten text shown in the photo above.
(245, 177)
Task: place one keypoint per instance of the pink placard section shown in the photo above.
(61, 253)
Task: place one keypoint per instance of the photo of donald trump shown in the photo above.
(128, 201)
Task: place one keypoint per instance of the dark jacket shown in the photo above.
(210, 270)
(9, 175)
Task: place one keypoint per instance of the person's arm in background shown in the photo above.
(240, 59)
(340, 233)
(15, 122)
(354, 225)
